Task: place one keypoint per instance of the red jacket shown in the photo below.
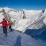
(4, 23)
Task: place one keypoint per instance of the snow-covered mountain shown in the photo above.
(24, 19)
(32, 20)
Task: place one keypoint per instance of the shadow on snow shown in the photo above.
(37, 33)
(18, 41)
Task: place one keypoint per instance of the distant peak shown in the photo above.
(43, 11)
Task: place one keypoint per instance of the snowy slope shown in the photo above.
(18, 39)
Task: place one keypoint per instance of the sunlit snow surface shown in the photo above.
(34, 19)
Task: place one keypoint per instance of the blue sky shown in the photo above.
(24, 4)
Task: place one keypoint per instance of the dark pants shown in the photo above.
(10, 28)
(5, 30)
